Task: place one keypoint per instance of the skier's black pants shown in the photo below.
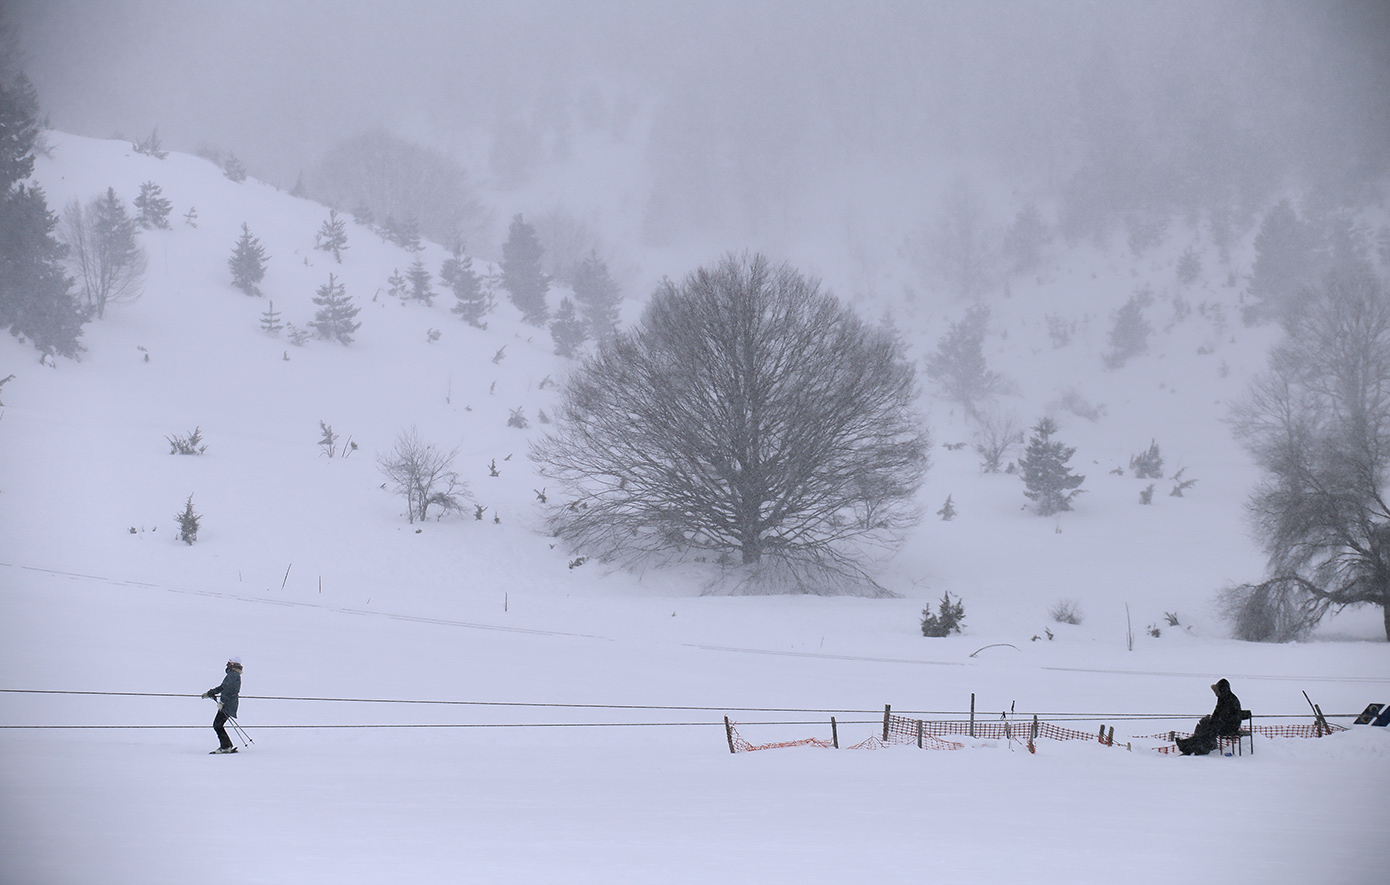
(218, 721)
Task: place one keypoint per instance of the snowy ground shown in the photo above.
(307, 569)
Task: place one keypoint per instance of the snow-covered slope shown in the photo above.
(307, 568)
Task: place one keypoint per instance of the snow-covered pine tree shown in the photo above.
(248, 262)
(471, 302)
(1288, 257)
(420, 279)
(598, 296)
(1129, 337)
(396, 284)
(188, 522)
(405, 234)
(1025, 239)
(332, 237)
(958, 366)
(1047, 479)
(154, 208)
(234, 169)
(522, 276)
(35, 298)
(947, 511)
(270, 320)
(568, 330)
(334, 319)
(35, 301)
(1149, 463)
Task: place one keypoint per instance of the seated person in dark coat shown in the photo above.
(1224, 721)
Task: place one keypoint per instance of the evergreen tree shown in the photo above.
(248, 262)
(334, 319)
(35, 292)
(396, 284)
(36, 301)
(958, 366)
(567, 330)
(1288, 258)
(420, 282)
(154, 209)
(1047, 479)
(299, 190)
(150, 146)
(19, 129)
(270, 320)
(471, 303)
(332, 237)
(188, 522)
(1129, 337)
(598, 297)
(234, 169)
(405, 234)
(522, 276)
(1025, 239)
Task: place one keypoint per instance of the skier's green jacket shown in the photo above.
(228, 692)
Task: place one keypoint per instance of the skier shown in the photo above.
(1224, 721)
(227, 695)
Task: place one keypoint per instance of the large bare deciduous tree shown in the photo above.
(1318, 423)
(748, 418)
(105, 251)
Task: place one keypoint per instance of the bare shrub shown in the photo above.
(1066, 611)
(424, 476)
(995, 438)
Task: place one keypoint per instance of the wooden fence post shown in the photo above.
(1033, 735)
(834, 733)
(1101, 737)
(887, 708)
(729, 733)
(919, 734)
(972, 714)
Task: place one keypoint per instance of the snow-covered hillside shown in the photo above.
(308, 568)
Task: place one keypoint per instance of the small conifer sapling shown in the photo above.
(332, 237)
(188, 522)
(154, 208)
(335, 317)
(247, 263)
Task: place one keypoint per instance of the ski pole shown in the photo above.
(246, 738)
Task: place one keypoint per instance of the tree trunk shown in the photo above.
(1385, 611)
